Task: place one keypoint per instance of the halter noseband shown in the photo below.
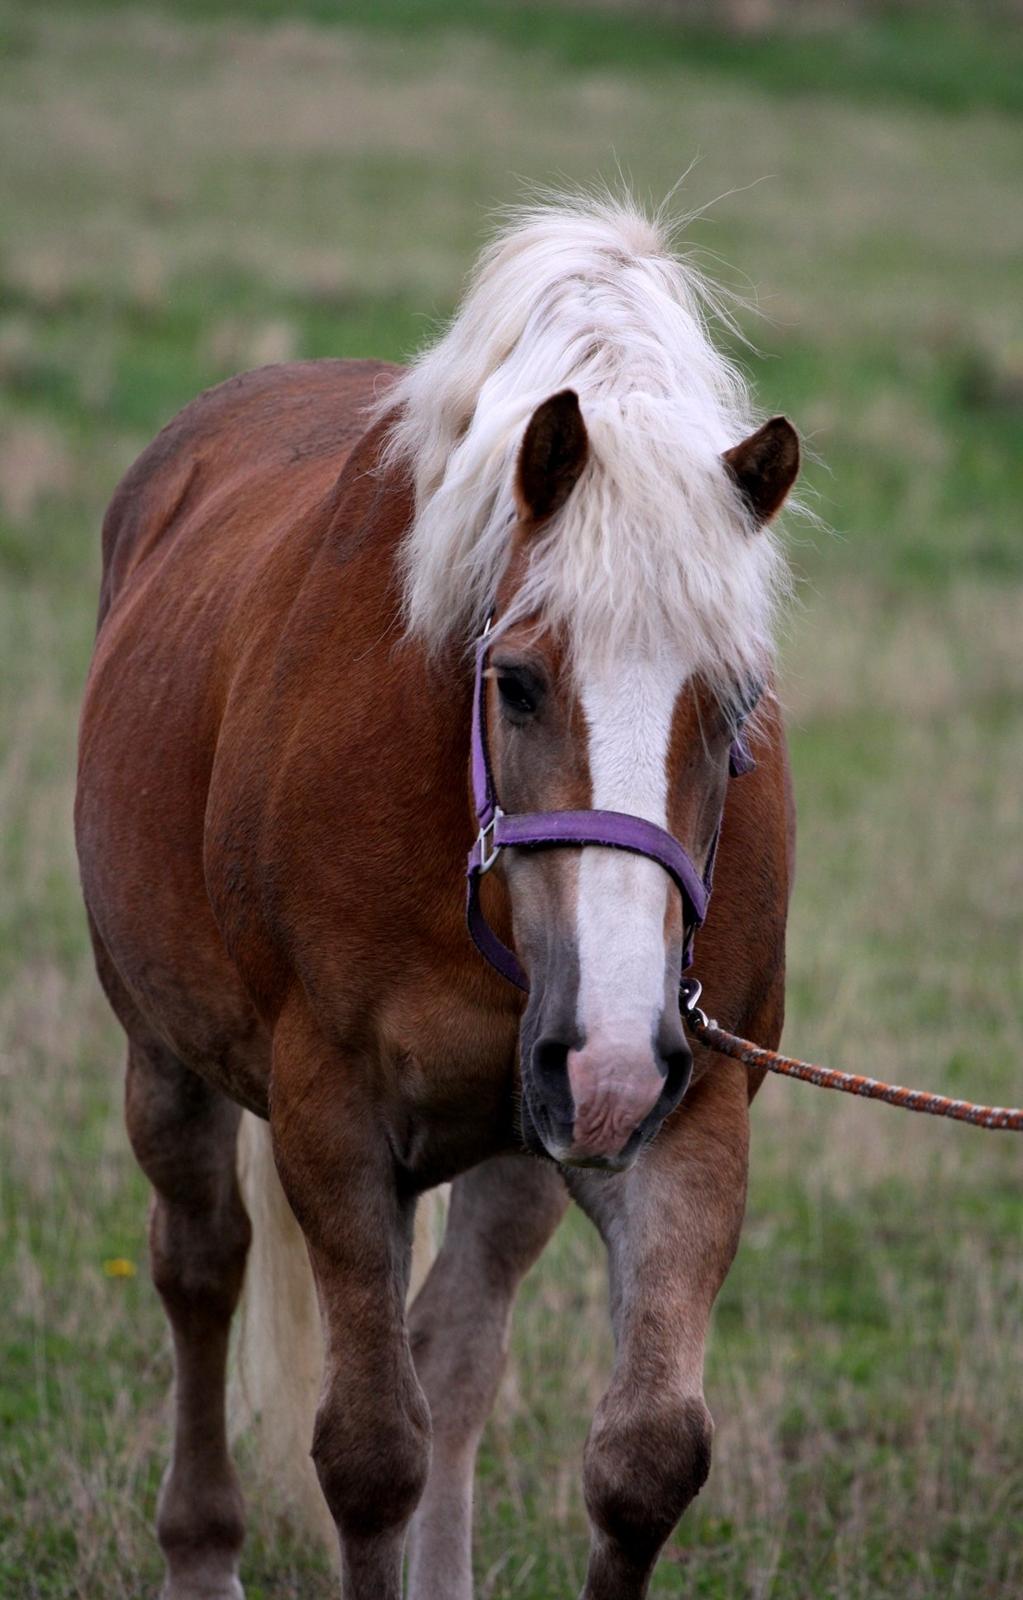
(615, 830)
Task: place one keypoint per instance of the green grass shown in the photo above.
(951, 57)
(183, 198)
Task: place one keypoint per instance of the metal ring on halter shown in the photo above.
(489, 851)
(689, 992)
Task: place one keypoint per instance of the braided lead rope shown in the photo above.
(754, 1055)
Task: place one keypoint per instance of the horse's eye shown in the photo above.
(744, 703)
(518, 696)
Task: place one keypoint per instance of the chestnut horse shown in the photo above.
(274, 808)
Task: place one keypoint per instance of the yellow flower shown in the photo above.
(118, 1267)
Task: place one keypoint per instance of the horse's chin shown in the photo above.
(541, 1139)
(529, 1130)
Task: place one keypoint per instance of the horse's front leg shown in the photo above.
(671, 1226)
(502, 1215)
(371, 1444)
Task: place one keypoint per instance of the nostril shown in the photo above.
(549, 1061)
(678, 1067)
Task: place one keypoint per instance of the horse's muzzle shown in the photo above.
(589, 1104)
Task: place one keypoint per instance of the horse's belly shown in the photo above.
(143, 775)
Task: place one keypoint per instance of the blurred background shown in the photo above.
(191, 189)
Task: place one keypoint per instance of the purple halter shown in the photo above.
(615, 830)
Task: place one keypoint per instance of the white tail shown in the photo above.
(278, 1355)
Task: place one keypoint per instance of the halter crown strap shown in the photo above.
(482, 781)
(613, 830)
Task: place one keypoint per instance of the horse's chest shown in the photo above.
(453, 1095)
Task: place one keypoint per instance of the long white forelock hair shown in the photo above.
(654, 549)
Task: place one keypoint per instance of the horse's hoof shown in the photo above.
(198, 1587)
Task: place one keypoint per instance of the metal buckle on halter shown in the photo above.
(489, 851)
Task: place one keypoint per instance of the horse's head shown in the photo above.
(626, 728)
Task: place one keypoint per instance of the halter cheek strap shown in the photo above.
(613, 830)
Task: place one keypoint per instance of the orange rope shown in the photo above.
(936, 1105)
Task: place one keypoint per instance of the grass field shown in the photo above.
(187, 192)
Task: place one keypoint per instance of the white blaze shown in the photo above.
(623, 897)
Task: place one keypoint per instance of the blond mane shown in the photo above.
(653, 549)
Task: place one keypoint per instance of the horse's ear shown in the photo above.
(765, 465)
(553, 454)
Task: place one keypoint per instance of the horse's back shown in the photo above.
(284, 430)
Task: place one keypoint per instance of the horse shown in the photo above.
(352, 618)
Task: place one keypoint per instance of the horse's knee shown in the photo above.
(198, 1258)
(372, 1457)
(644, 1463)
(183, 1133)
